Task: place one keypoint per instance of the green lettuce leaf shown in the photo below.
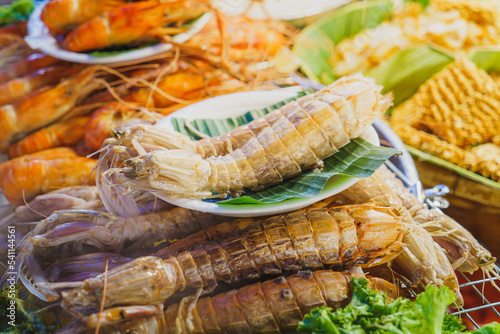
(369, 312)
(433, 303)
(452, 324)
(492, 328)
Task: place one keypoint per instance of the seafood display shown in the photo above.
(86, 239)
(457, 123)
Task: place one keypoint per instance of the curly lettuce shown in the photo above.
(370, 312)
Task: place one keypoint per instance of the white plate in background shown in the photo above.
(40, 38)
(277, 9)
(233, 105)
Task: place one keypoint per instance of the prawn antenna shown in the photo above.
(160, 75)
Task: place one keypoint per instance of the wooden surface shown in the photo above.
(475, 206)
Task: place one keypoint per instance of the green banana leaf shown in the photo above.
(404, 72)
(448, 165)
(217, 127)
(315, 43)
(487, 59)
(359, 159)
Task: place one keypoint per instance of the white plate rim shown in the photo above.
(342, 182)
(277, 9)
(39, 37)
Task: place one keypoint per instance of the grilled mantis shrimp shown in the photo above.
(273, 306)
(107, 232)
(42, 206)
(364, 235)
(257, 155)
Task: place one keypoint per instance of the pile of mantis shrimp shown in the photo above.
(97, 245)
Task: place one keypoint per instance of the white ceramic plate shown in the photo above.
(277, 9)
(40, 38)
(233, 105)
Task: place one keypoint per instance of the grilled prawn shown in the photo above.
(131, 23)
(43, 107)
(31, 175)
(262, 153)
(62, 16)
(63, 133)
(342, 237)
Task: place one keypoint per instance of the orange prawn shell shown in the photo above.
(181, 85)
(17, 88)
(62, 16)
(50, 154)
(247, 39)
(58, 134)
(25, 180)
(26, 66)
(42, 107)
(112, 116)
(19, 29)
(121, 25)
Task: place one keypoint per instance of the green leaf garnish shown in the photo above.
(370, 312)
(315, 43)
